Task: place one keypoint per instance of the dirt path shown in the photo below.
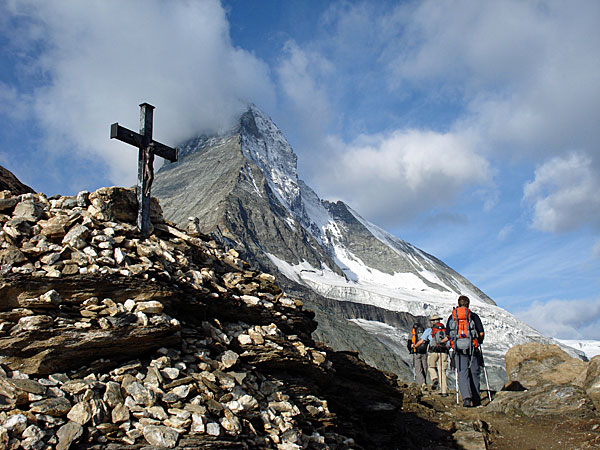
(503, 432)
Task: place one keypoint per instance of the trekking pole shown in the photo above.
(485, 372)
(441, 375)
(456, 380)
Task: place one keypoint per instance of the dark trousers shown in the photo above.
(469, 369)
(420, 367)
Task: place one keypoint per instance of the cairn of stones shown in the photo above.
(112, 340)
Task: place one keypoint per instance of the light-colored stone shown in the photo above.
(256, 336)
(76, 236)
(229, 359)
(250, 300)
(161, 436)
(170, 372)
(67, 434)
(15, 424)
(158, 412)
(51, 297)
(29, 211)
(198, 425)
(149, 307)
(244, 339)
(141, 394)
(33, 323)
(120, 413)
(182, 391)
(213, 429)
(80, 413)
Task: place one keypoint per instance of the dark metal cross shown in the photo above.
(147, 149)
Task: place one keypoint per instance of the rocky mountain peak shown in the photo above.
(264, 145)
(9, 182)
(365, 285)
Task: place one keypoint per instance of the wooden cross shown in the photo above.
(147, 149)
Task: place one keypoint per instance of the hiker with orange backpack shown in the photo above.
(466, 336)
(437, 359)
(419, 354)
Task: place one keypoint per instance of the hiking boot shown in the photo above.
(434, 385)
(467, 403)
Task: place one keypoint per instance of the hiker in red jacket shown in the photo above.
(466, 333)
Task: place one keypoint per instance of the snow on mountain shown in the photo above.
(324, 246)
(426, 285)
(589, 347)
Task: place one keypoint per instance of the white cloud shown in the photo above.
(517, 79)
(403, 173)
(100, 59)
(596, 249)
(300, 74)
(506, 231)
(12, 103)
(564, 194)
(565, 319)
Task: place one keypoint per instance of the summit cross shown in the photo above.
(147, 149)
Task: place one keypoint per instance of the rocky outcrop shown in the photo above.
(536, 364)
(8, 182)
(544, 380)
(109, 340)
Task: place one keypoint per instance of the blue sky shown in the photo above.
(467, 128)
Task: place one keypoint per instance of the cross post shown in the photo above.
(147, 149)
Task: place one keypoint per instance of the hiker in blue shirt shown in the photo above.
(437, 360)
(419, 354)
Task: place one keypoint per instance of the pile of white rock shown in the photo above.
(203, 387)
(181, 396)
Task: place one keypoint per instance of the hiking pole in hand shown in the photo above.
(485, 372)
(453, 359)
(456, 376)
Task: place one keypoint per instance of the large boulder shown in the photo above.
(564, 400)
(534, 364)
(592, 380)
(552, 383)
(120, 204)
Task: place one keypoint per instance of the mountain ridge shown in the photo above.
(244, 188)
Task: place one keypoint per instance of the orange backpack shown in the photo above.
(462, 330)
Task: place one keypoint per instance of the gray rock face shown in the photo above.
(242, 188)
(547, 400)
(12, 184)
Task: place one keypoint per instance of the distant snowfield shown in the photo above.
(590, 348)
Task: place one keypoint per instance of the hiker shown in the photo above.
(419, 354)
(466, 335)
(437, 358)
